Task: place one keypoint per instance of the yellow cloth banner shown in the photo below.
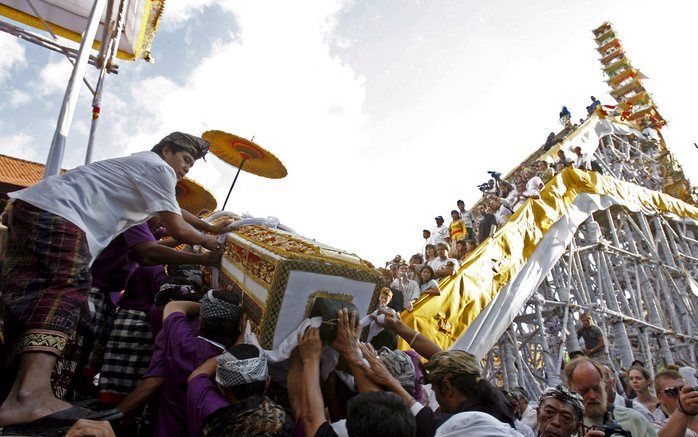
(496, 261)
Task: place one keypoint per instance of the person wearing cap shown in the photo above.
(57, 228)
(180, 347)
(440, 233)
(560, 413)
(456, 379)
(226, 397)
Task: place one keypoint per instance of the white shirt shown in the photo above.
(619, 401)
(534, 185)
(467, 218)
(410, 288)
(524, 429)
(438, 263)
(583, 162)
(107, 197)
(440, 234)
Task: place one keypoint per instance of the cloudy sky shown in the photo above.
(384, 112)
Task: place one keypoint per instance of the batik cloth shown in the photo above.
(254, 416)
(127, 355)
(400, 365)
(46, 279)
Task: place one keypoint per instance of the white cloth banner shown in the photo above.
(587, 136)
(495, 318)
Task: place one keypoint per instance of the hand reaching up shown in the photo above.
(309, 345)
(347, 332)
(377, 373)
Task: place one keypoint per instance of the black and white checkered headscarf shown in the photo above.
(231, 371)
(215, 308)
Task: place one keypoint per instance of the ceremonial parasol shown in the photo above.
(243, 153)
(193, 197)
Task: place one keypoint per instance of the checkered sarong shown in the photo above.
(128, 352)
(45, 280)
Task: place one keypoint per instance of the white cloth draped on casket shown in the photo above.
(278, 274)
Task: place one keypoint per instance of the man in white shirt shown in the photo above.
(582, 162)
(440, 233)
(408, 287)
(442, 264)
(56, 230)
(467, 218)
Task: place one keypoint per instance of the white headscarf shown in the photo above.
(475, 424)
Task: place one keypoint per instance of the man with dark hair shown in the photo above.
(467, 218)
(489, 220)
(368, 412)
(236, 404)
(181, 347)
(594, 341)
(585, 376)
(57, 228)
(442, 264)
(440, 233)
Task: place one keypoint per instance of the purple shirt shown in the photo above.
(114, 265)
(178, 352)
(203, 398)
(141, 287)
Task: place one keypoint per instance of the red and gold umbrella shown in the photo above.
(193, 197)
(244, 154)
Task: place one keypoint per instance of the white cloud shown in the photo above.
(11, 54)
(19, 145)
(54, 77)
(383, 119)
(18, 98)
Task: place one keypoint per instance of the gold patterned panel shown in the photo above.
(291, 247)
(255, 265)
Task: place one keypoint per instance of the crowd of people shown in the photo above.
(446, 247)
(110, 328)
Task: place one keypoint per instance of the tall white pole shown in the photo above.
(72, 92)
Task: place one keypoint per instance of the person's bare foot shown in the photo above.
(28, 407)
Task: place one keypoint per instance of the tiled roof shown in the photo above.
(19, 172)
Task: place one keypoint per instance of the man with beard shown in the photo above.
(585, 376)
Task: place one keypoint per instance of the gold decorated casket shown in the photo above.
(278, 274)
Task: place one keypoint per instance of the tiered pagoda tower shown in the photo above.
(625, 80)
(635, 105)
